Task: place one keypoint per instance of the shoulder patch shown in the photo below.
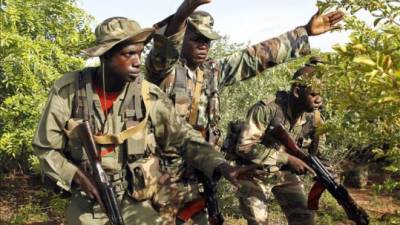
(65, 80)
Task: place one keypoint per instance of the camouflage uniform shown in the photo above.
(196, 93)
(164, 136)
(286, 186)
(163, 65)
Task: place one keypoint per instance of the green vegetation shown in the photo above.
(39, 41)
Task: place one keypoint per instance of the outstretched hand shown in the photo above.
(235, 173)
(184, 11)
(320, 24)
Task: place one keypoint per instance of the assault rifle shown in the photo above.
(324, 180)
(210, 194)
(104, 186)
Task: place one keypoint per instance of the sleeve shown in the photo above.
(164, 54)
(49, 141)
(257, 58)
(171, 130)
(249, 143)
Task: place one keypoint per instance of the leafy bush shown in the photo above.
(39, 41)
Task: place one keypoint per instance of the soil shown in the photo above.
(17, 191)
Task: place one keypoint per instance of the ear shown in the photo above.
(296, 92)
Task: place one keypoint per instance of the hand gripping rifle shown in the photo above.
(324, 180)
(104, 186)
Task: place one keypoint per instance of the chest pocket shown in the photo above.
(143, 167)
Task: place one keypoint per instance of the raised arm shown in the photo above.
(259, 57)
(168, 42)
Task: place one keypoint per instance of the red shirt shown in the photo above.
(106, 106)
(107, 102)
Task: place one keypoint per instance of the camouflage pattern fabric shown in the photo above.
(163, 58)
(256, 146)
(163, 61)
(203, 22)
(60, 157)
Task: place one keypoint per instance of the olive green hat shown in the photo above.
(115, 30)
(307, 75)
(203, 22)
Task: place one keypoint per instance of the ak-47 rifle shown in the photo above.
(324, 180)
(215, 217)
(210, 194)
(104, 186)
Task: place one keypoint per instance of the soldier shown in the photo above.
(113, 98)
(194, 83)
(297, 110)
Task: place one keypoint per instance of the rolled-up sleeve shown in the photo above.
(259, 57)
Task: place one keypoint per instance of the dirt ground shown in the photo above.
(24, 201)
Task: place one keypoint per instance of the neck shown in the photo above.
(110, 84)
(296, 108)
(189, 63)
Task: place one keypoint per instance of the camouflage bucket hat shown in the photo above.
(308, 75)
(203, 22)
(115, 30)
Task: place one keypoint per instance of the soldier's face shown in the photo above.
(124, 62)
(306, 99)
(312, 100)
(195, 48)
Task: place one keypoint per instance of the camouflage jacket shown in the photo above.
(163, 63)
(60, 156)
(254, 143)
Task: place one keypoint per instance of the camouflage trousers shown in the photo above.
(287, 189)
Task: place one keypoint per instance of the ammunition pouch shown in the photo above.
(142, 176)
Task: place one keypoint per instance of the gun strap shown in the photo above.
(196, 97)
(83, 99)
(119, 138)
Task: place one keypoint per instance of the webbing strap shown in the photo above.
(180, 84)
(137, 100)
(119, 138)
(196, 97)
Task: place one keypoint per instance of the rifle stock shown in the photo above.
(104, 186)
(324, 178)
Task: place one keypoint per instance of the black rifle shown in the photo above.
(324, 179)
(100, 177)
(210, 194)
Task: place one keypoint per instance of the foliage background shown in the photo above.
(39, 41)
